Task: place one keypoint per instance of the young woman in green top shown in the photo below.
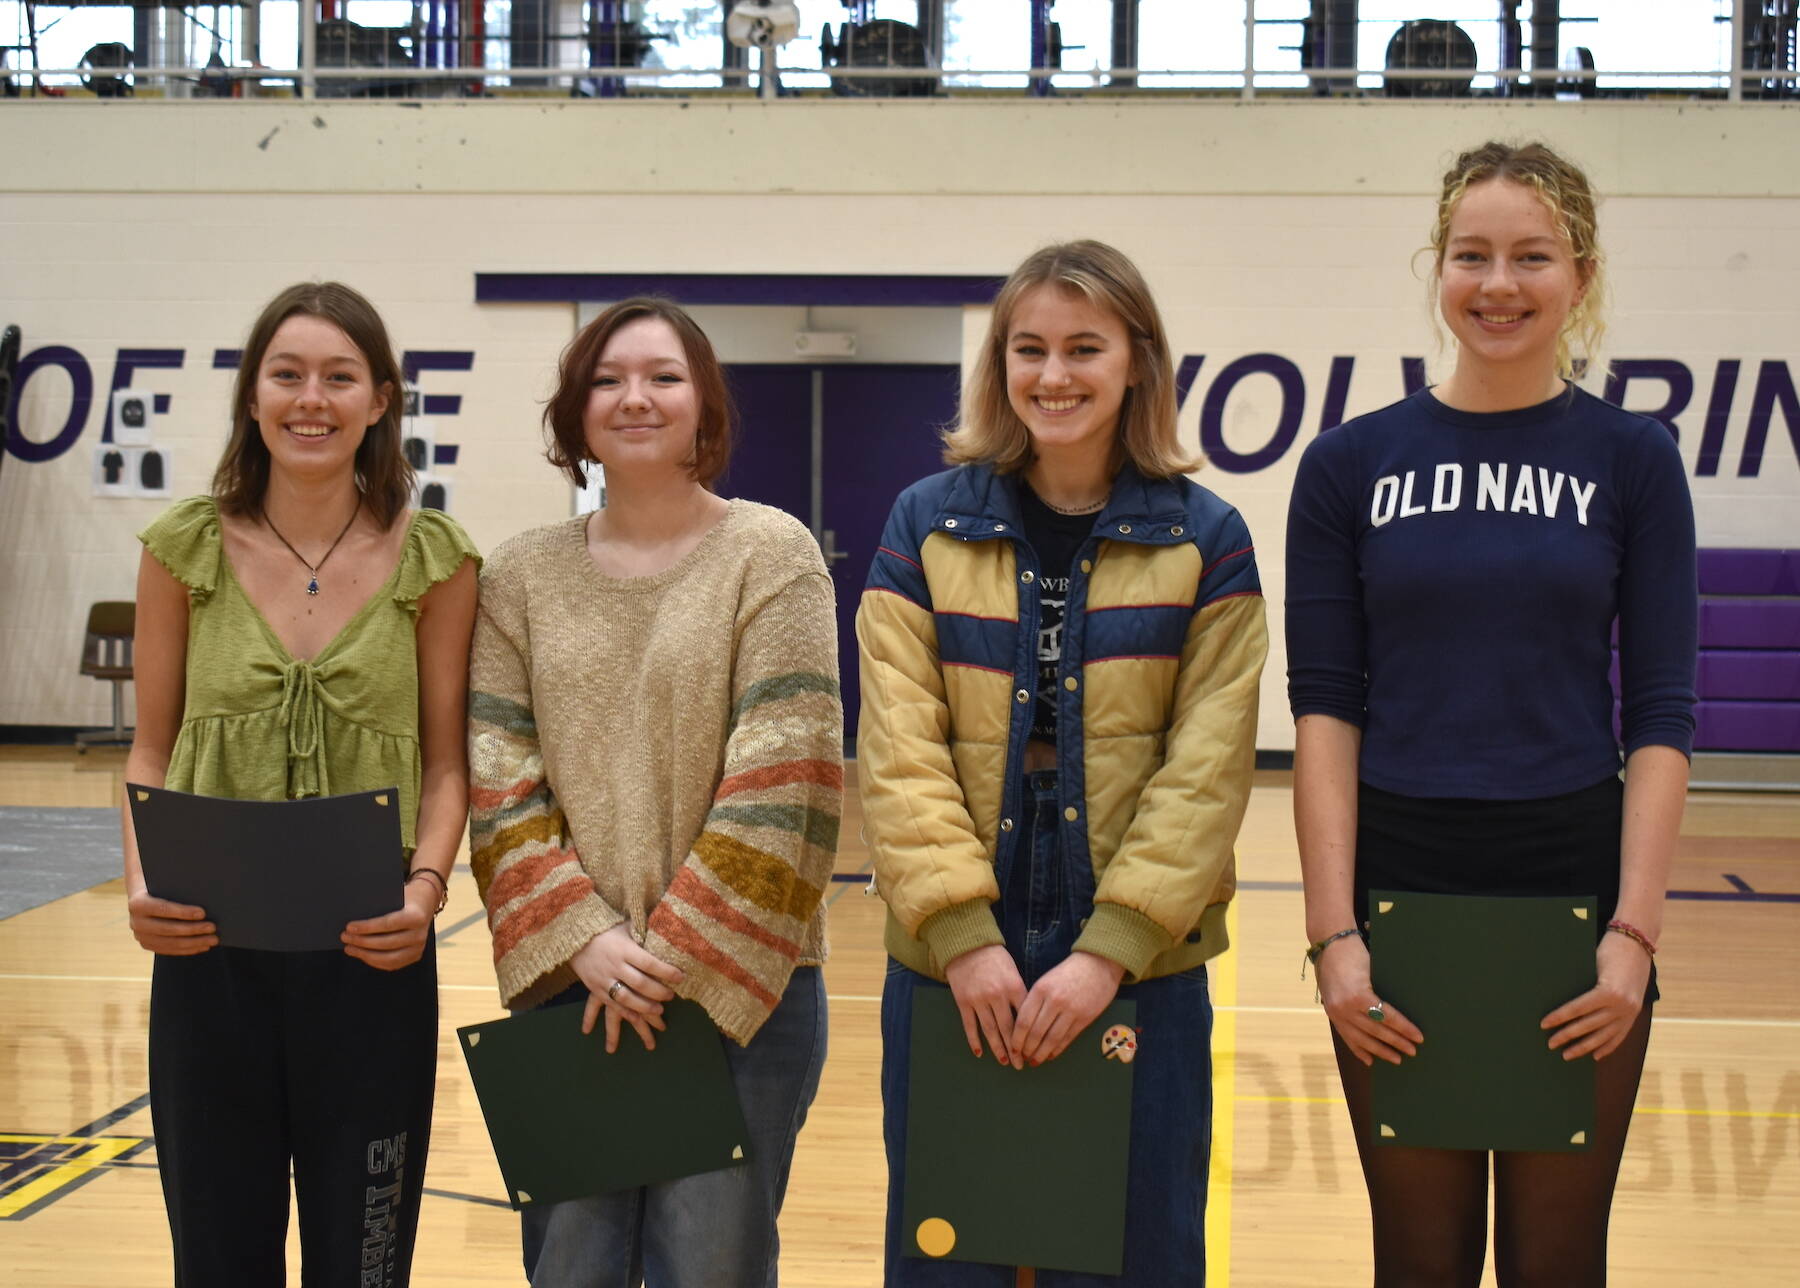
(301, 633)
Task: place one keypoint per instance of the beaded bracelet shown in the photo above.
(1632, 932)
(443, 887)
(1314, 950)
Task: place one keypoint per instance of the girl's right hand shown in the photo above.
(172, 929)
(988, 990)
(627, 981)
(1343, 975)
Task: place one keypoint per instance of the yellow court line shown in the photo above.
(1224, 979)
(1639, 1109)
(103, 1152)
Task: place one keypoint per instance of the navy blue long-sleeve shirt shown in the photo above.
(1452, 583)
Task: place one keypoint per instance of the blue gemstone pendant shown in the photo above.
(312, 587)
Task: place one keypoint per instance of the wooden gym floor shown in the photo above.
(1710, 1191)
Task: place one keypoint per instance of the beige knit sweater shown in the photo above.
(666, 750)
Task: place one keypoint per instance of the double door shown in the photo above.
(833, 446)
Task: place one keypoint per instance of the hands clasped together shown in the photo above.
(627, 981)
(1029, 1027)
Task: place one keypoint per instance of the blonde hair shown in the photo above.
(1562, 186)
(988, 430)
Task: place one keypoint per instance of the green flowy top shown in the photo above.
(259, 725)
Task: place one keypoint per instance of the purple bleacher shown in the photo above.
(1750, 623)
(1748, 674)
(1748, 680)
(1750, 572)
(1747, 726)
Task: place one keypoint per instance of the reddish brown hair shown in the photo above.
(382, 474)
(566, 413)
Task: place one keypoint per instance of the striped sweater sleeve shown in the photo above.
(737, 911)
(542, 906)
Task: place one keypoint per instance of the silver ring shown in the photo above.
(1377, 1013)
(612, 994)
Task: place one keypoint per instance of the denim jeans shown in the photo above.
(1043, 901)
(717, 1229)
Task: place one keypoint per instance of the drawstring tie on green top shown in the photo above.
(300, 700)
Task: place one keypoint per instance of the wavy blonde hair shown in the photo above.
(1563, 187)
(988, 430)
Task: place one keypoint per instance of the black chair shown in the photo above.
(106, 655)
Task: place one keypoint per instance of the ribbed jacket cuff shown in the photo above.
(1124, 935)
(958, 929)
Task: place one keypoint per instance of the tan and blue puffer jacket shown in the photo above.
(1163, 647)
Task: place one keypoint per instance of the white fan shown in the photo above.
(762, 24)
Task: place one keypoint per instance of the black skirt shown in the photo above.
(1551, 845)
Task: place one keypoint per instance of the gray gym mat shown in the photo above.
(48, 853)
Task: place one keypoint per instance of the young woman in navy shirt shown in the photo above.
(1456, 564)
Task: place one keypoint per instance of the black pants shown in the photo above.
(1430, 1206)
(260, 1061)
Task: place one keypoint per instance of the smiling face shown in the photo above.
(1508, 281)
(1068, 365)
(314, 398)
(642, 411)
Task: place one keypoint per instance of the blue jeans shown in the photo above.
(717, 1229)
(1044, 899)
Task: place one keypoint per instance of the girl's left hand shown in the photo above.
(397, 939)
(1064, 1001)
(1599, 1020)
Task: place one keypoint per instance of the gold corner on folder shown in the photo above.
(1386, 1130)
(143, 795)
(474, 1039)
(381, 799)
(1386, 905)
(1580, 912)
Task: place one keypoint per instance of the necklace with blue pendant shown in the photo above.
(312, 586)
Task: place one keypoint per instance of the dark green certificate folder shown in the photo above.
(568, 1120)
(1478, 975)
(1018, 1167)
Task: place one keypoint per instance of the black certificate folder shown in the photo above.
(282, 875)
(568, 1120)
(1478, 975)
(1018, 1167)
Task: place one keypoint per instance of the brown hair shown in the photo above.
(988, 430)
(566, 413)
(1564, 188)
(382, 474)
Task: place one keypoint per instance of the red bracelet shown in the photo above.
(1632, 932)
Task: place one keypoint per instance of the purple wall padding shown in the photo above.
(1750, 623)
(1747, 726)
(1749, 674)
(1750, 572)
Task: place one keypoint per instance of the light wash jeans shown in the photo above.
(717, 1229)
(1043, 900)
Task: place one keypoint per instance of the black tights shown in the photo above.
(1430, 1206)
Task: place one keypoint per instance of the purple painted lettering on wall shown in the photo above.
(1672, 373)
(414, 361)
(128, 361)
(1287, 426)
(1718, 411)
(1774, 384)
(81, 377)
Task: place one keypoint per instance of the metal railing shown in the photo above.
(574, 51)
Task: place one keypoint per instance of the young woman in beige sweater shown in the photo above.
(656, 742)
